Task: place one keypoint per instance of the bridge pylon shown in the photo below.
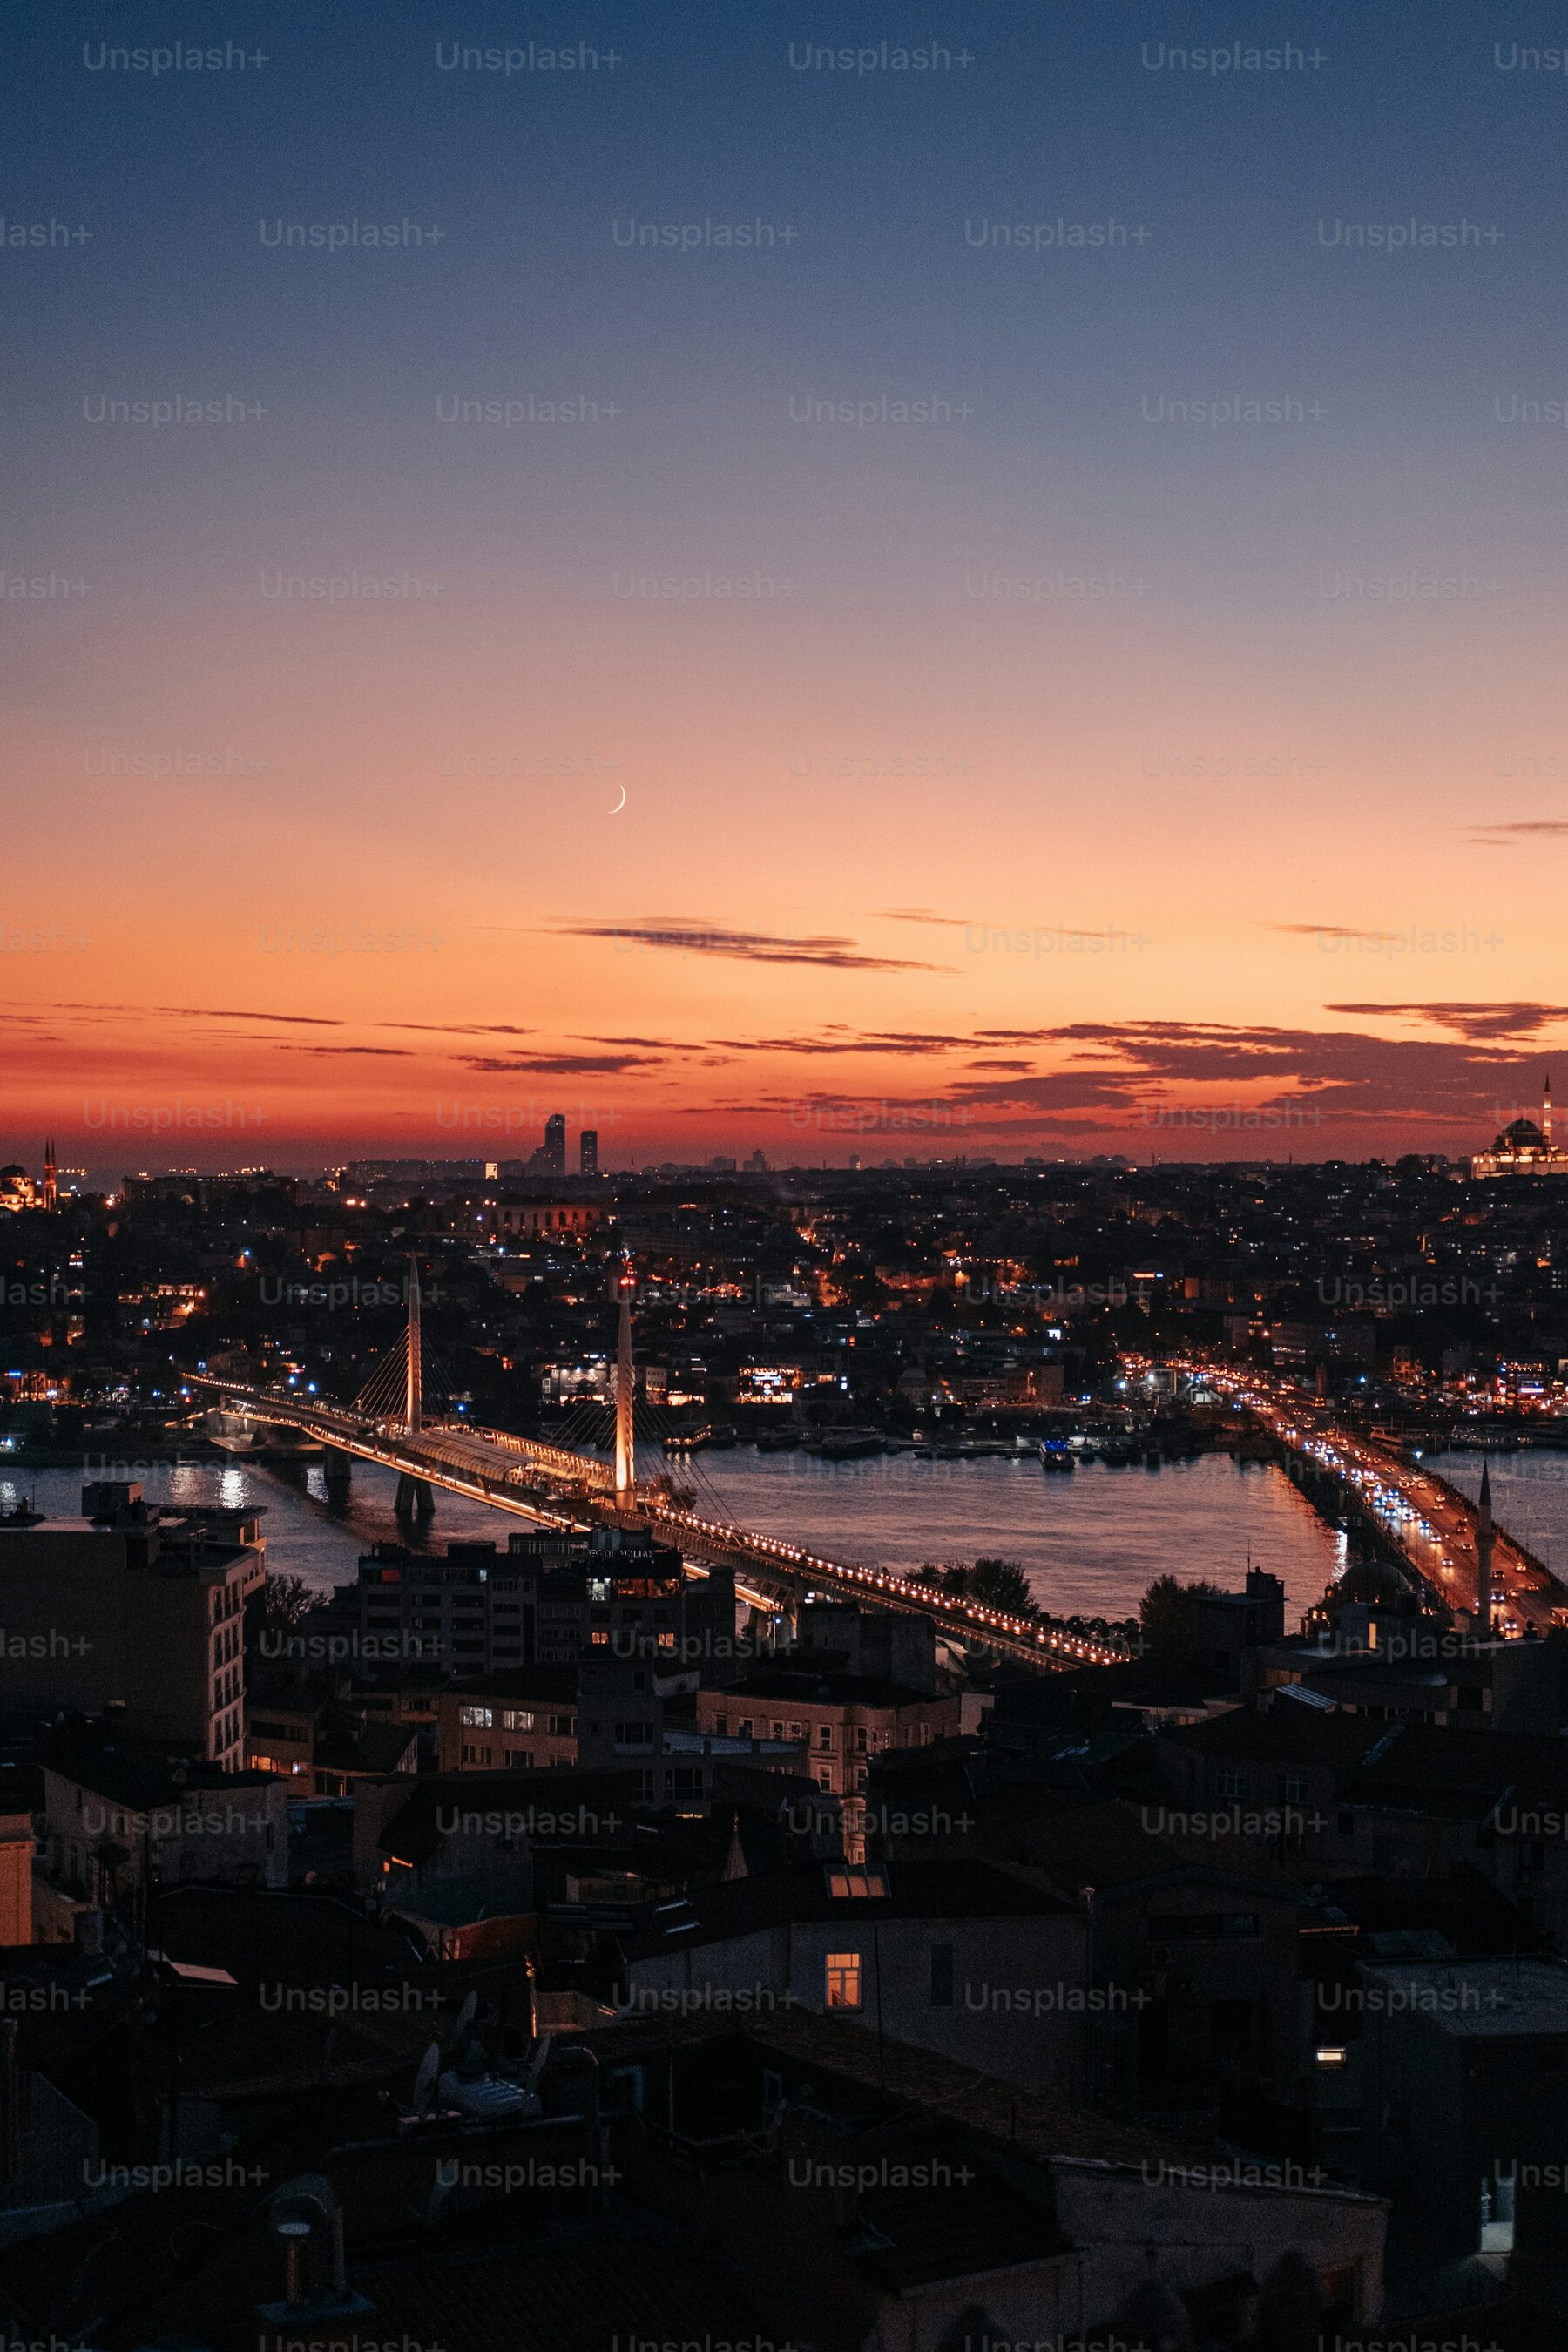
(415, 1498)
(626, 1440)
(414, 1390)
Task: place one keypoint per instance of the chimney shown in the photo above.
(305, 2219)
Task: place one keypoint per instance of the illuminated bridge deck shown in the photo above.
(554, 1486)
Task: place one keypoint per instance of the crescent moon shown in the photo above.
(619, 805)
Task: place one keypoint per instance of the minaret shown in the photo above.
(626, 1452)
(51, 1175)
(1546, 1112)
(1484, 1557)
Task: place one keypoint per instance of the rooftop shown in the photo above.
(1281, 1735)
(1481, 1999)
(806, 1894)
(599, 1802)
(895, 2073)
(143, 1778)
(1107, 1845)
(820, 1686)
(555, 1683)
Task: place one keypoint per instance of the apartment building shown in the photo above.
(119, 1814)
(548, 1600)
(519, 1721)
(133, 1610)
(841, 1720)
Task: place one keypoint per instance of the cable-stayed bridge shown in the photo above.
(563, 1486)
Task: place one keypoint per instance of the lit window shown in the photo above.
(517, 1718)
(843, 1980)
(479, 1718)
(856, 1884)
(1332, 2057)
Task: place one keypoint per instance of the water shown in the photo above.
(306, 1536)
(1530, 1495)
(1091, 1543)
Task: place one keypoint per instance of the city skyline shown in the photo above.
(785, 1313)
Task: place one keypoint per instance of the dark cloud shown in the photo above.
(225, 1013)
(1477, 1021)
(873, 1041)
(559, 1065)
(196, 1013)
(1509, 836)
(460, 1028)
(923, 914)
(1346, 1074)
(683, 935)
(1325, 931)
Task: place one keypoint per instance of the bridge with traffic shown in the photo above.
(1435, 1530)
(557, 1486)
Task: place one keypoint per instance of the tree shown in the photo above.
(1165, 1614)
(286, 1602)
(949, 1575)
(1000, 1584)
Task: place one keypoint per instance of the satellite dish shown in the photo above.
(426, 2078)
(465, 2016)
(487, 2098)
(537, 2064)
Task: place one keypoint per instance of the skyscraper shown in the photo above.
(554, 1157)
(588, 1152)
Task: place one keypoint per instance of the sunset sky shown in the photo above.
(1056, 769)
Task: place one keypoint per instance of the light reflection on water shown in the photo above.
(1529, 1495)
(1091, 1541)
